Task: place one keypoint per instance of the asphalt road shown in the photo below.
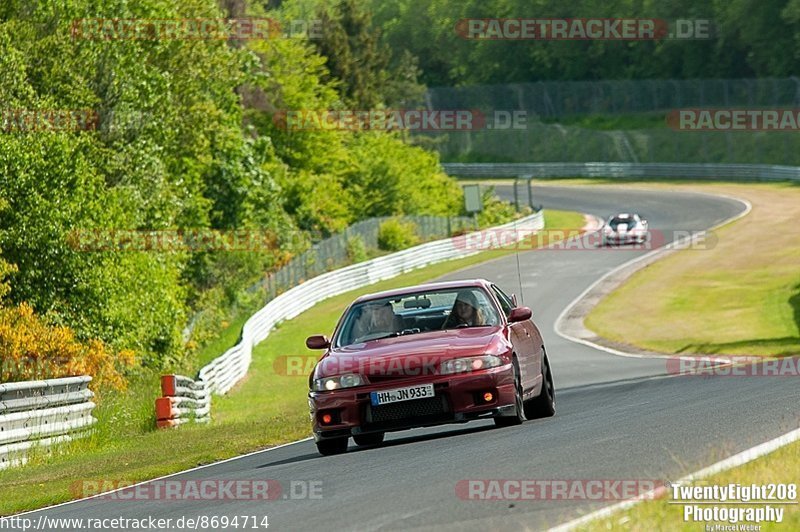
(617, 418)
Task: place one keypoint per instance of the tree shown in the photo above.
(360, 64)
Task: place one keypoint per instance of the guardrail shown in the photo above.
(184, 399)
(38, 414)
(749, 172)
(224, 372)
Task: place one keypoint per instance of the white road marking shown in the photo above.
(729, 463)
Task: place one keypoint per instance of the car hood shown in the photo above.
(412, 353)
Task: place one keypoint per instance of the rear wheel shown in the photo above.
(373, 438)
(519, 409)
(332, 446)
(544, 404)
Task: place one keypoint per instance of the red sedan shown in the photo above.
(427, 355)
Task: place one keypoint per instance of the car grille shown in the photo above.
(414, 409)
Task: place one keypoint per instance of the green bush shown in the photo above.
(496, 211)
(394, 235)
(356, 249)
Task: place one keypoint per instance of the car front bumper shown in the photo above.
(458, 398)
(627, 238)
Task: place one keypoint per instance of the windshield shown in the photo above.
(628, 221)
(417, 312)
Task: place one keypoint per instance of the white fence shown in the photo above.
(42, 413)
(225, 371)
(750, 172)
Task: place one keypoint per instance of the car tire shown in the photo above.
(373, 438)
(332, 446)
(544, 404)
(519, 415)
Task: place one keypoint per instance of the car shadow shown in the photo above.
(425, 437)
(352, 448)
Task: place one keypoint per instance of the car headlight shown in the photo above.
(340, 381)
(468, 364)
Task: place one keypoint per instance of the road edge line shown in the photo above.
(737, 460)
(652, 255)
(105, 493)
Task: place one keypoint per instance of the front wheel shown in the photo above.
(373, 438)
(544, 404)
(519, 408)
(332, 446)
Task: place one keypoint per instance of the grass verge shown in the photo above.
(781, 466)
(264, 410)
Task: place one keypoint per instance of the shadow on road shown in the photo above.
(390, 443)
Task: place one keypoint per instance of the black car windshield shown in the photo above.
(630, 221)
(417, 312)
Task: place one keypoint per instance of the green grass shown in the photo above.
(264, 410)
(628, 121)
(228, 337)
(781, 466)
(739, 313)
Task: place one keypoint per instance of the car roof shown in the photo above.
(444, 285)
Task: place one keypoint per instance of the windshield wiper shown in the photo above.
(389, 335)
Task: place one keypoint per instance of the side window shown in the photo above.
(505, 301)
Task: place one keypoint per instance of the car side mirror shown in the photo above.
(318, 341)
(514, 299)
(519, 314)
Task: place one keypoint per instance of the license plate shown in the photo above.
(401, 394)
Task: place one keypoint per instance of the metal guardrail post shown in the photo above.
(530, 190)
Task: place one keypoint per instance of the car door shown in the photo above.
(524, 336)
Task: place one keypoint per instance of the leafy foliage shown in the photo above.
(750, 39)
(30, 349)
(394, 235)
(496, 211)
(356, 249)
(367, 74)
(185, 139)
